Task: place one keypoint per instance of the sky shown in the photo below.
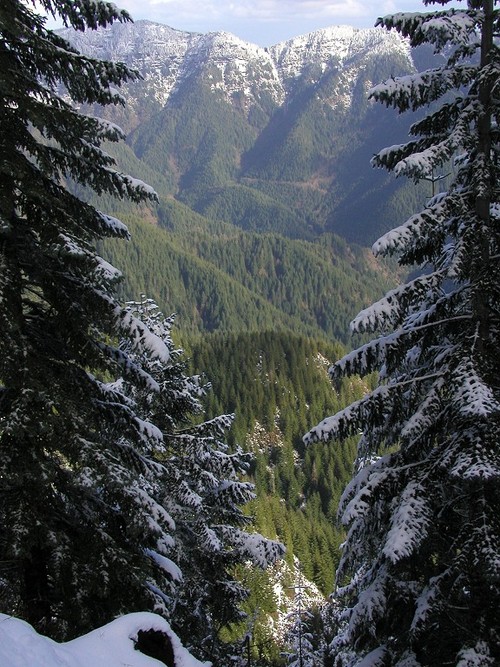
(266, 22)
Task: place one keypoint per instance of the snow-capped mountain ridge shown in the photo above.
(333, 47)
(166, 57)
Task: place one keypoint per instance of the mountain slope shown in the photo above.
(225, 122)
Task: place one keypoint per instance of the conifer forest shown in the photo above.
(249, 342)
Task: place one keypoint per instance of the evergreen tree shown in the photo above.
(305, 636)
(422, 552)
(202, 491)
(75, 503)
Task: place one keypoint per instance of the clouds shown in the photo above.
(271, 10)
(265, 22)
(254, 10)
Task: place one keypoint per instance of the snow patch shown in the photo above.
(113, 645)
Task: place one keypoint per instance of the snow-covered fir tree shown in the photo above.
(423, 548)
(202, 491)
(76, 512)
(305, 637)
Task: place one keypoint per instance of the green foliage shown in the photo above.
(251, 210)
(259, 607)
(198, 139)
(277, 385)
(220, 154)
(203, 296)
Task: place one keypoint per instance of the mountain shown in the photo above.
(261, 161)
(271, 140)
(242, 72)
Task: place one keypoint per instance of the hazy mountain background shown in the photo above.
(261, 160)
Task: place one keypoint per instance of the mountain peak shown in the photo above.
(332, 47)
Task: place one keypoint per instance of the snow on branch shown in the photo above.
(235, 491)
(131, 188)
(129, 367)
(417, 159)
(388, 310)
(367, 483)
(376, 658)
(107, 271)
(140, 186)
(188, 497)
(424, 418)
(209, 539)
(217, 426)
(360, 480)
(473, 396)
(371, 606)
(147, 431)
(476, 656)
(483, 544)
(70, 246)
(409, 523)
(413, 91)
(112, 226)
(261, 551)
(367, 358)
(107, 129)
(156, 515)
(426, 601)
(347, 421)
(420, 164)
(438, 28)
(165, 564)
(477, 461)
(140, 336)
(415, 228)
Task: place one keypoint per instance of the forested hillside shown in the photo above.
(219, 278)
(257, 314)
(278, 385)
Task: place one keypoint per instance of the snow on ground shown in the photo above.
(109, 646)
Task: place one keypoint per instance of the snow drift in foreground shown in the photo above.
(109, 646)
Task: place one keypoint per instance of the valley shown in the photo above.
(260, 244)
